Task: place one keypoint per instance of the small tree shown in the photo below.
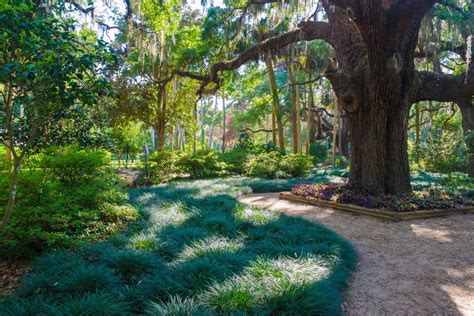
(46, 71)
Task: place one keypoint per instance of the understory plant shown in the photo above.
(67, 196)
(275, 165)
(203, 164)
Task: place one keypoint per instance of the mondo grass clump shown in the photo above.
(195, 251)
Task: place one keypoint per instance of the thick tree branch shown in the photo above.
(442, 87)
(307, 31)
(406, 9)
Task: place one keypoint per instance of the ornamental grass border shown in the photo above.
(377, 213)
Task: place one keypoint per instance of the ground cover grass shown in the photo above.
(196, 251)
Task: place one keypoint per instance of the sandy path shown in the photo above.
(423, 267)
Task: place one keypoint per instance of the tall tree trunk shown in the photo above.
(417, 124)
(224, 118)
(161, 120)
(8, 150)
(195, 116)
(335, 124)
(203, 130)
(344, 135)
(274, 127)
(152, 138)
(310, 118)
(12, 196)
(176, 137)
(467, 112)
(275, 99)
(298, 109)
(378, 137)
(294, 105)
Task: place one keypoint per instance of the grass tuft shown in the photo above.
(176, 306)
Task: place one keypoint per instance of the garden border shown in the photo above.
(377, 213)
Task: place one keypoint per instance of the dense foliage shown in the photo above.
(67, 196)
(196, 251)
(276, 165)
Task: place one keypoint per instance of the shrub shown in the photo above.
(444, 150)
(296, 165)
(60, 207)
(235, 159)
(71, 165)
(319, 151)
(341, 162)
(203, 164)
(164, 166)
(276, 165)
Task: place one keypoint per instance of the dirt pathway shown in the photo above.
(423, 267)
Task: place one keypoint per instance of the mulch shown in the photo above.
(10, 273)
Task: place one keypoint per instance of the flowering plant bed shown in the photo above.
(416, 205)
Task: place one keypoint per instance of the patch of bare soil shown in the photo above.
(10, 273)
(421, 267)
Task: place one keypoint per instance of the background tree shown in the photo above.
(47, 69)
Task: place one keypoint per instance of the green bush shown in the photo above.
(203, 164)
(443, 147)
(341, 161)
(319, 151)
(236, 157)
(59, 208)
(274, 165)
(164, 166)
(71, 165)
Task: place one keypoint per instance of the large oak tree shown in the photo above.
(375, 81)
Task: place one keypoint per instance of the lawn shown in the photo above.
(196, 251)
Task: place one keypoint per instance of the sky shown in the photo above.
(108, 9)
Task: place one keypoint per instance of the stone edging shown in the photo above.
(386, 215)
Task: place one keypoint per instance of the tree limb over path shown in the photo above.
(307, 31)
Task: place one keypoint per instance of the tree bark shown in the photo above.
(195, 116)
(276, 101)
(152, 138)
(8, 150)
(310, 119)
(224, 118)
(12, 196)
(294, 105)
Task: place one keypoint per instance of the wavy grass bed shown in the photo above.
(196, 251)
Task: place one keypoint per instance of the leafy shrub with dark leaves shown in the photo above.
(274, 165)
(418, 200)
(61, 207)
(236, 157)
(164, 166)
(319, 151)
(203, 164)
